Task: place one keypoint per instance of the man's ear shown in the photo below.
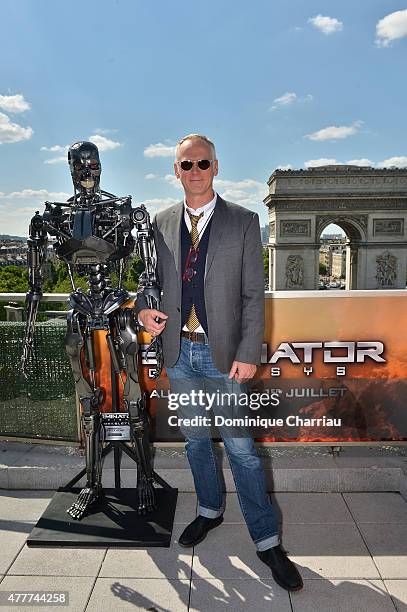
(176, 170)
(215, 168)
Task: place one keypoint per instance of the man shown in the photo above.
(210, 269)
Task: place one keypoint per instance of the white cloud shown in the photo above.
(335, 132)
(327, 25)
(103, 143)
(14, 104)
(54, 148)
(243, 184)
(286, 167)
(13, 132)
(156, 204)
(159, 150)
(18, 207)
(246, 192)
(37, 194)
(360, 162)
(285, 100)
(59, 159)
(56, 160)
(104, 131)
(391, 27)
(289, 98)
(398, 161)
(173, 181)
(322, 161)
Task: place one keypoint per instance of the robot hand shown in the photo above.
(32, 302)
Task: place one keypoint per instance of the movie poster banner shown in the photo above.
(334, 369)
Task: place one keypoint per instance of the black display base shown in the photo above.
(112, 522)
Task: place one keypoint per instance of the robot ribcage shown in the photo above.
(95, 234)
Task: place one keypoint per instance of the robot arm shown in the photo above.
(37, 244)
(148, 281)
(149, 289)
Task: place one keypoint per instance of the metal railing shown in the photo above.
(17, 313)
(42, 406)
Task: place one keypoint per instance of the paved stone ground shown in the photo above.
(351, 549)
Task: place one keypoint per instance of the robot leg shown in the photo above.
(91, 400)
(136, 405)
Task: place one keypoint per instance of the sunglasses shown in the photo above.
(203, 164)
(189, 271)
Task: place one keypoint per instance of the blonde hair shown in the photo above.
(205, 139)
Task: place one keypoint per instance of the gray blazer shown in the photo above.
(234, 283)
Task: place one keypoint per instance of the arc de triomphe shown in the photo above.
(369, 204)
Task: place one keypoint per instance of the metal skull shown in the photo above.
(84, 163)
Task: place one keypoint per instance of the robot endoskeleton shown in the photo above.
(93, 236)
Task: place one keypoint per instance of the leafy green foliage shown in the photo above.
(266, 263)
(13, 279)
(133, 273)
(62, 283)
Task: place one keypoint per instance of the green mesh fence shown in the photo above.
(42, 406)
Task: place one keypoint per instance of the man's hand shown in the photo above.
(242, 372)
(147, 317)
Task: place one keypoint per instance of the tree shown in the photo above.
(266, 255)
(133, 274)
(62, 281)
(13, 279)
(62, 284)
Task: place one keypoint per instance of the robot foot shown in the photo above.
(146, 496)
(86, 498)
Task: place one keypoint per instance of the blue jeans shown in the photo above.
(195, 370)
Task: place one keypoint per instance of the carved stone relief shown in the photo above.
(272, 227)
(294, 272)
(388, 227)
(295, 228)
(386, 269)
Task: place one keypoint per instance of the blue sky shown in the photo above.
(273, 83)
